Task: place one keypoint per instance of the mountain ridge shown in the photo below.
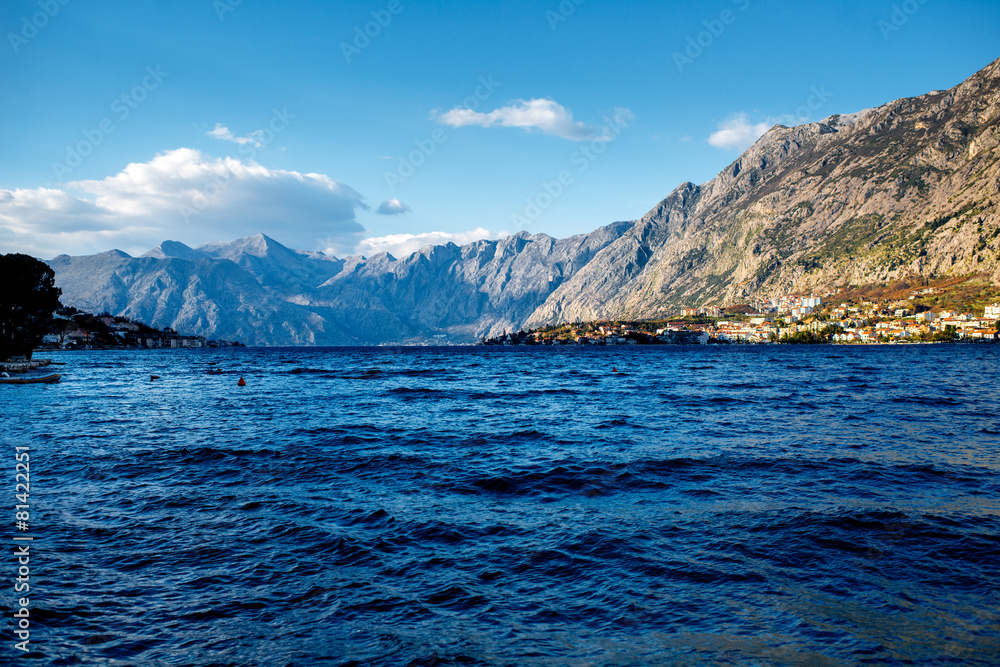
(289, 297)
(803, 186)
(908, 188)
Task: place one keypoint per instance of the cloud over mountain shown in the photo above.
(402, 245)
(182, 192)
(223, 133)
(392, 207)
(545, 115)
(737, 133)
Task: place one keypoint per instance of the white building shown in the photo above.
(799, 313)
(992, 312)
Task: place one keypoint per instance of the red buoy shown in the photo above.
(242, 382)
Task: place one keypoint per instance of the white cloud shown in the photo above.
(403, 245)
(392, 207)
(738, 133)
(223, 133)
(183, 195)
(541, 114)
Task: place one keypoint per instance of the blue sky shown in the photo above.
(123, 124)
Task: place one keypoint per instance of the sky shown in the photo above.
(386, 125)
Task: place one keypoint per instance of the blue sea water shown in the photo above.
(510, 506)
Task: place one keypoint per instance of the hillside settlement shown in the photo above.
(870, 317)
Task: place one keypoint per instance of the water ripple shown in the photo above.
(515, 507)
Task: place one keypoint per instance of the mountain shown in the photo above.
(259, 292)
(205, 296)
(175, 249)
(908, 189)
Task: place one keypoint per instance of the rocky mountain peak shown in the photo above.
(174, 249)
(258, 245)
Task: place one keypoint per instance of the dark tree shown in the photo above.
(949, 335)
(28, 297)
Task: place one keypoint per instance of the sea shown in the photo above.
(723, 505)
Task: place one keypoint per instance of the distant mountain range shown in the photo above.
(910, 188)
(259, 292)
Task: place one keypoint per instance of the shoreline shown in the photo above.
(23, 366)
(495, 345)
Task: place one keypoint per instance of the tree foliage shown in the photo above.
(948, 335)
(812, 337)
(28, 297)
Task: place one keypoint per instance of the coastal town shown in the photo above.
(72, 329)
(948, 311)
(879, 317)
